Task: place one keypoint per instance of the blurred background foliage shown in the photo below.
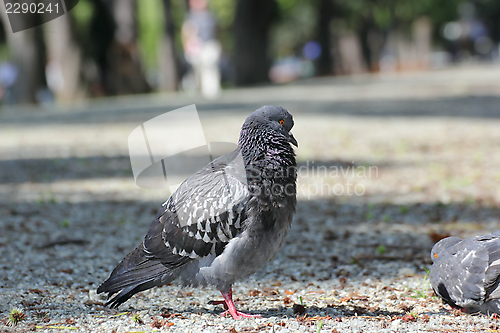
(111, 47)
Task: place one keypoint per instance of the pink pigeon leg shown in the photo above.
(228, 297)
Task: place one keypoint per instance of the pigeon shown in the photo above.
(224, 222)
(466, 272)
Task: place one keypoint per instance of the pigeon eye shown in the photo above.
(282, 122)
(435, 255)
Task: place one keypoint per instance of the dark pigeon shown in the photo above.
(466, 272)
(224, 222)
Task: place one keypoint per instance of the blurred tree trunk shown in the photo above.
(64, 55)
(27, 51)
(102, 31)
(252, 22)
(372, 41)
(168, 62)
(363, 34)
(125, 75)
(325, 61)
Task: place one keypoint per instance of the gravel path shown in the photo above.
(381, 178)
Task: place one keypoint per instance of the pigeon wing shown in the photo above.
(492, 280)
(202, 215)
(473, 262)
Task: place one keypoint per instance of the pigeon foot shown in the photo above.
(239, 315)
(231, 309)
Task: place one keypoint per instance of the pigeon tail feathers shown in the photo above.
(135, 273)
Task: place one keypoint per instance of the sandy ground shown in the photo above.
(387, 165)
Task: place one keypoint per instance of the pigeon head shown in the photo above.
(272, 120)
(443, 246)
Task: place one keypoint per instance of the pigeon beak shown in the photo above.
(292, 140)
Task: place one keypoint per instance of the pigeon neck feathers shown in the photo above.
(265, 138)
(265, 145)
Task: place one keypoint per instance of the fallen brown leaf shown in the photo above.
(409, 317)
(269, 292)
(254, 292)
(436, 237)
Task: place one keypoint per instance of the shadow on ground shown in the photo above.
(47, 170)
(335, 235)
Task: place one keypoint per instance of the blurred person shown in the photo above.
(475, 35)
(201, 49)
(468, 37)
(9, 73)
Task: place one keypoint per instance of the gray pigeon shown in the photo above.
(466, 272)
(224, 222)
